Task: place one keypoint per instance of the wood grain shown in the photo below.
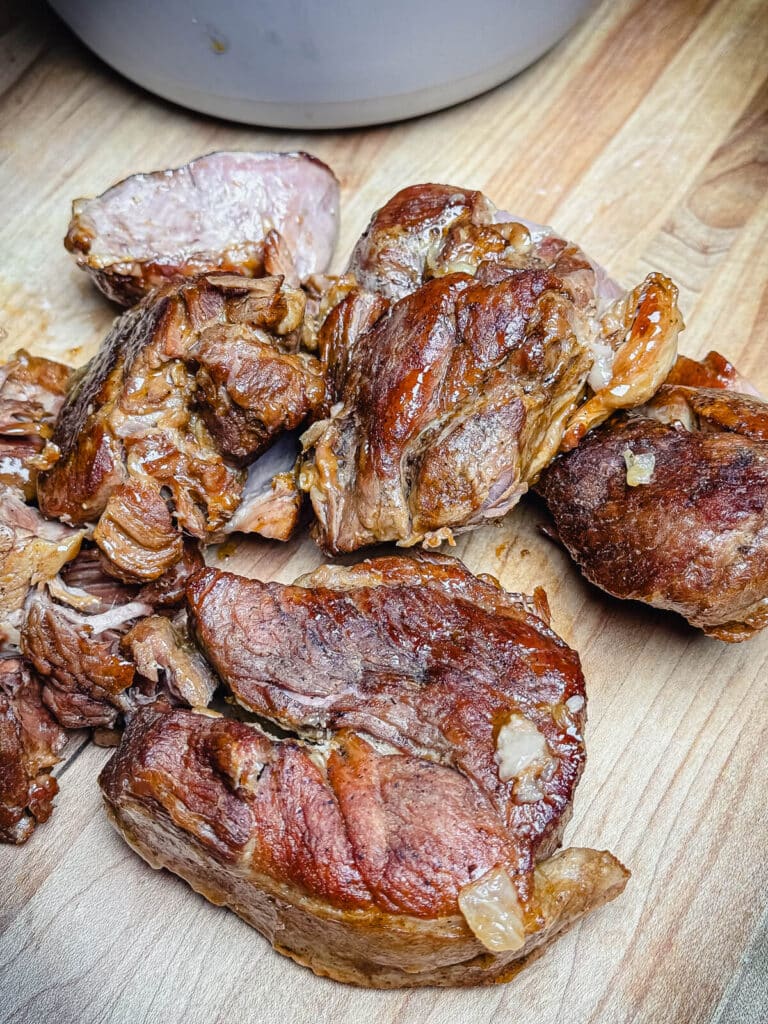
(644, 135)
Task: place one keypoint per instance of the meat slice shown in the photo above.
(189, 387)
(100, 650)
(668, 505)
(32, 391)
(405, 834)
(30, 742)
(32, 550)
(450, 404)
(244, 213)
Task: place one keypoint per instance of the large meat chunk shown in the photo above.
(188, 388)
(404, 834)
(244, 213)
(101, 651)
(32, 391)
(450, 404)
(30, 742)
(668, 505)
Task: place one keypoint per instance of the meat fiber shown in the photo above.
(668, 505)
(403, 832)
(188, 389)
(239, 212)
(32, 550)
(101, 651)
(32, 391)
(30, 742)
(450, 403)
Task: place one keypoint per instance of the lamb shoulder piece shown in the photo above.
(188, 389)
(404, 832)
(501, 344)
(668, 505)
(239, 212)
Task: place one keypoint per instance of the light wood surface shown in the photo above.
(644, 136)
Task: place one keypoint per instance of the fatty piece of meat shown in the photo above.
(239, 212)
(451, 406)
(32, 550)
(271, 500)
(693, 536)
(100, 650)
(355, 845)
(188, 388)
(503, 344)
(32, 391)
(30, 742)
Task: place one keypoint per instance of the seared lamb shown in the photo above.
(404, 832)
(101, 649)
(30, 742)
(189, 388)
(32, 391)
(244, 213)
(450, 403)
(668, 505)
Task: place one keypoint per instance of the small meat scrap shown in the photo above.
(102, 648)
(32, 391)
(30, 742)
(190, 388)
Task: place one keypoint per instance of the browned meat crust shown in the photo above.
(32, 391)
(693, 538)
(188, 386)
(448, 407)
(353, 848)
(238, 212)
(30, 742)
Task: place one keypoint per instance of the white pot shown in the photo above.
(319, 63)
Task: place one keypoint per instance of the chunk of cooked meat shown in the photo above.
(690, 533)
(450, 405)
(713, 371)
(188, 387)
(32, 550)
(100, 650)
(405, 835)
(30, 742)
(32, 391)
(239, 212)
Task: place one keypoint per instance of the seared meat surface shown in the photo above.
(100, 649)
(239, 212)
(189, 387)
(690, 534)
(451, 401)
(30, 742)
(404, 834)
(32, 391)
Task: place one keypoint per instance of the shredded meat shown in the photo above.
(30, 742)
(189, 387)
(32, 391)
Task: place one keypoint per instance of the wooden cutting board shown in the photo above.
(643, 136)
